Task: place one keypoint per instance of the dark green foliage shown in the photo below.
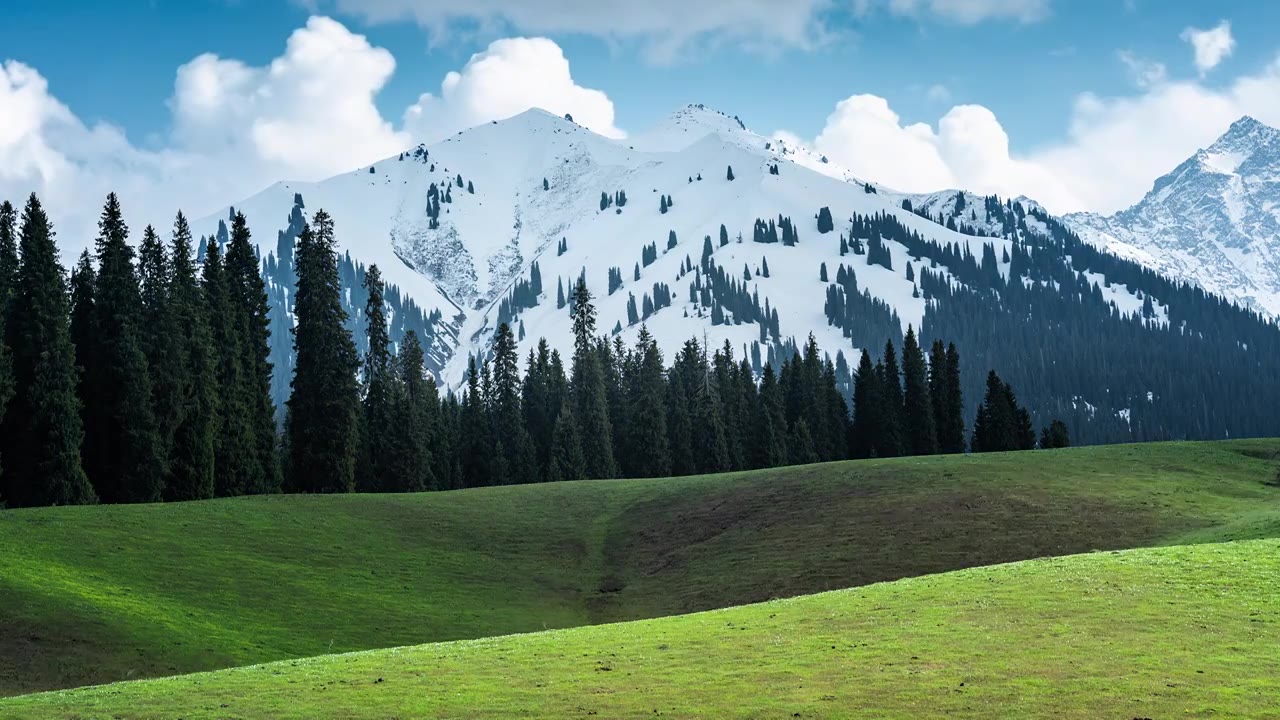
(1002, 424)
(323, 409)
(235, 454)
(250, 312)
(8, 255)
(566, 461)
(376, 451)
(1055, 435)
(191, 459)
(122, 449)
(920, 434)
(475, 445)
(163, 345)
(822, 273)
(890, 441)
(729, 174)
(507, 415)
(589, 390)
(825, 223)
(41, 434)
(724, 235)
(414, 430)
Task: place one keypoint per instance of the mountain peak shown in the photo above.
(1246, 133)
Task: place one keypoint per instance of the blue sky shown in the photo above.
(115, 61)
(1080, 103)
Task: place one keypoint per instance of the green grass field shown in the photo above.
(1186, 631)
(100, 594)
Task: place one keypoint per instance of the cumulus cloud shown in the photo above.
(962, 12)
(665, 26)
(1114, 149)
(308, 114)
(509, 77)
(1211, 46)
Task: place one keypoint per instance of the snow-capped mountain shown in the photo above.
(1214, 220)
(700, 228)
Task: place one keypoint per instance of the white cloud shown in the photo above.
(938, 93)
(1211, 46)
(666, 26)
(236, 128)
(963, 12)
(1142, 71)
(1114, 149)
(509, 77)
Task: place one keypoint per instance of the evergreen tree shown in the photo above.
(250, 308)
(539, 402)
(191, 460)
(771, 423)
(122, 440)
(890, 441)
(649, 447)
(507, 414)
(412, 433)
(867, 403)
(163, 345)
(8, 256)
(323, 421)
(373, 470)
(41, 433)
(920, 433)
(474, 445)
(724, 235)
(801, 444)
(1055, 435)
(567, 461)
(235, 454)
(729, 174)
(589, 390)
(951, 429)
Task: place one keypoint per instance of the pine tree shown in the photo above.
(163, 345)
(951, 430)
(475, 447)
(507, 414)
(191, 461)
(567, 461)
(122, 442)
(724, 235)
(771, 423)
(413, 432)
(235, 455)
(920, 432)
(1055, 435)
(801, 444)
(250, 311)
(591, 404)
(649, 448)
(8, 256)
(323, 420)
(867, 403)
(373, 471)
(41, 434)
(729, 174)
(891, 441)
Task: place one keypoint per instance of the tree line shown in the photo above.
(144, 375)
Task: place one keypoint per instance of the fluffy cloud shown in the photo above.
(665, 26)
(509, 77)
(236, 128)
(1114, 149)
(1211, 46)
(963, 12)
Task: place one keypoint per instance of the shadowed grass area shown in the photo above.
(99, 594)
(1186, 631)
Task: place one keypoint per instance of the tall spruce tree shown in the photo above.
(251, 310)
(163, 345)
(475, 446)
(539, 402)
(588, 382)
(920, 432)
(41, 432)
(891, 442)
(373, 471)
(647, 442)
(507, 414)
(867, 402)
(122, 451)
(951, 431)
(8, 256)
(191, 461)
(237, 463)
(771, 423)
(323, 407)
(567, 461)
(413, 432)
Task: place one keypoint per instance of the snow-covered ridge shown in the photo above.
(1214, 220)
(459, 226)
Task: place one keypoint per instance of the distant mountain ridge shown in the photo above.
(700, 228)
(1214, 220)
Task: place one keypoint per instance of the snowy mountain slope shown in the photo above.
(486, 241)
(465, 228)
(1214, 220)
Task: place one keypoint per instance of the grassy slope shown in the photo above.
(1190, 631)
(101, 594)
